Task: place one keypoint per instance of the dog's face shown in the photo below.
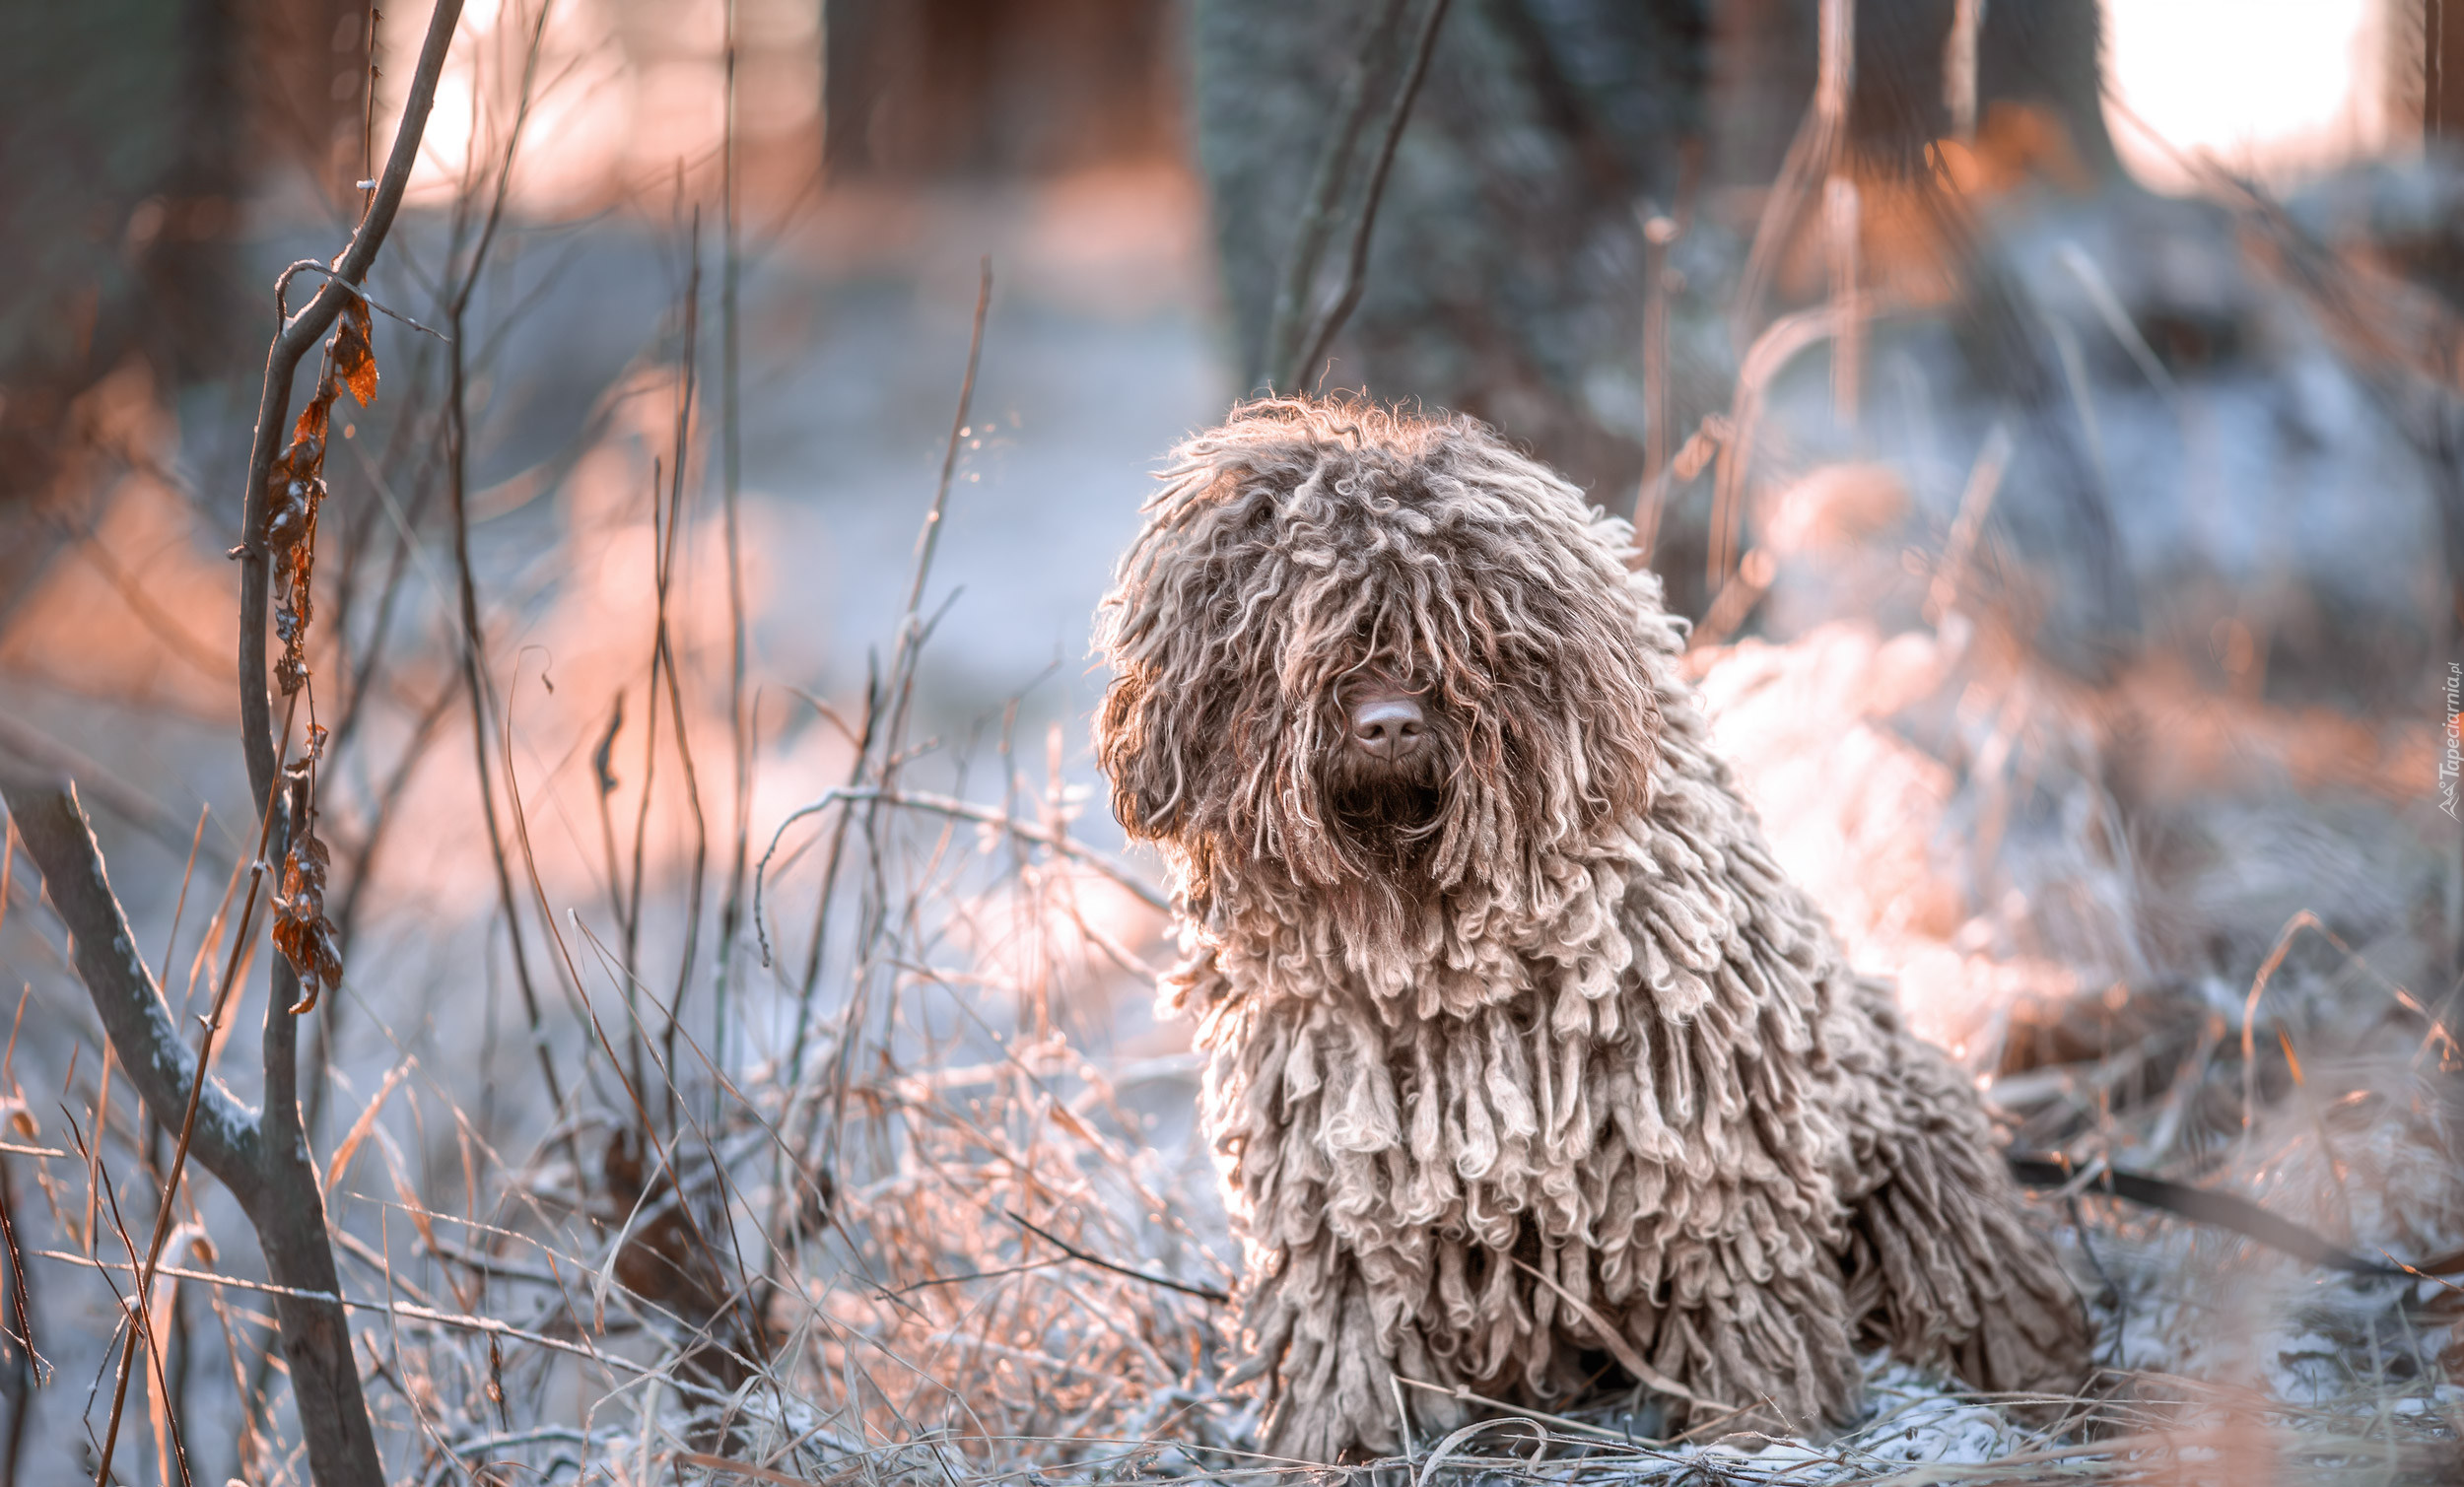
(1367, 648)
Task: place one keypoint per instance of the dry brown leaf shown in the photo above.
(355, 358)
(306, 938)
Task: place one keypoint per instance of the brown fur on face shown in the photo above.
(1306, 546)
(1528, 1065)
(1389, 809)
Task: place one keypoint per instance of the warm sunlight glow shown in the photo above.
(2272, 88)
(615, 109)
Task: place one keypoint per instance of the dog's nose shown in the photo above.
(1388, 727)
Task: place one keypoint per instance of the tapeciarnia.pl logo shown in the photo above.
(2451, 760)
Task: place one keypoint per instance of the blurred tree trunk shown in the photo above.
(2040, 54)
(2442, 72)
(119, 164)
(1506, 274)
(131, 133)
(2439, 260)
(924, 89)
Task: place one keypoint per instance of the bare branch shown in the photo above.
(298, 335)
(1120, 873)
(135, 1017)
(1356, 267)
(41, 757)
(1203, 1293)
(289, 1212)
(1316, 216)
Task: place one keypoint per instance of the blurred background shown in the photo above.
(2047, 410)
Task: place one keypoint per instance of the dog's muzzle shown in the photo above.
(1389, 729)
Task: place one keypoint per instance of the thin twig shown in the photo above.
(664, 662)
(1356, 267)
(313, 266)
(300, 333)
(1203, 1293)
(474, 665)
(928, 539)
(1326, 186)
(900, 689)
(963, 810)
(107, 789)
(1659, 233)
(732, 452)
(1812, 155)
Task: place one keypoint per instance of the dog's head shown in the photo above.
(1360, 648)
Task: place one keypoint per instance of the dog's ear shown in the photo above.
(1142, 746)
(1161, 734)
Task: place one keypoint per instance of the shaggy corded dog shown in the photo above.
(1529, 1070)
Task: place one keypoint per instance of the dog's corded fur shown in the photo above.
(1531, 1040)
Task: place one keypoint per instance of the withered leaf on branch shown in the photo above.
(287, 509)
(293, 613)
(307, 454)
(297, 490)
(306, 938)
(296, 482)
(296, 487)
(355, 359)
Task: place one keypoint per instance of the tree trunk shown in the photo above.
(2442, 72)
(315, 1333)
